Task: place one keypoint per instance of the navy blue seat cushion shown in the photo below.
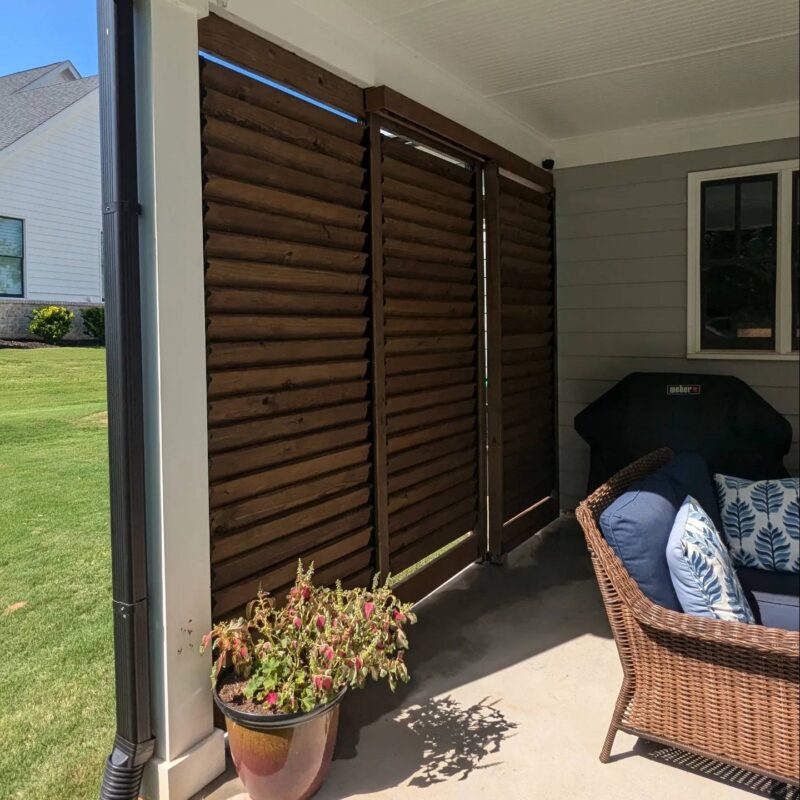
(773, 596)
(692, 477)
(637, 526)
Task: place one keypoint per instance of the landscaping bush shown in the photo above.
(94, 323)
(51, 323)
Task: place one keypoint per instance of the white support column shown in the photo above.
(190, 752)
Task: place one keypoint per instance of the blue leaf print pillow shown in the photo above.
(761, 521)
(701, 568)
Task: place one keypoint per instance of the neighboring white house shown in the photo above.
(50, 218)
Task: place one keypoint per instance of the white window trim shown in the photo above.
(783, 302)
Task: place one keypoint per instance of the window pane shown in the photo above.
(795, 260)
(719, 220)
(10, 276)
(10, 237)
(738, 264)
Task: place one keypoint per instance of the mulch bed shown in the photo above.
(25, 344)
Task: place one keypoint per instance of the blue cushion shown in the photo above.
(690, 473)
(773, 596)
(637, 526)
(701, 568)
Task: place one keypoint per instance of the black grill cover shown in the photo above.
(719, 416)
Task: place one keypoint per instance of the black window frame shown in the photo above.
(734, 345)
(21, 221)
(794, 266)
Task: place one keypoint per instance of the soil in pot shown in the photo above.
(278, 757)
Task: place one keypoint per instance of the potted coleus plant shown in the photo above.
(280, 672)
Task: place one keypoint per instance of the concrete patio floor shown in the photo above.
(514, 676)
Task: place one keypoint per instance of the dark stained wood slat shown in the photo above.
(526, 341)
(235, 44)
(459, 511)
(291, 547)
(433, 541)
(227, 81)
(285, 203)
(425, 234)
(524, 252)
(407, 402)
(538, 280)
(236, 139)
(430, 469)
(519, 236)
(404, 365)
(255, 170)
(526, 223)
(431, 415)
(428, 344)
(238, 488)
(431, 505)
(240, 593)
(434, 290)
(258, 353)
(521, 208)
(528, 367)
(236, 219)
(315, 514)
(529, 324)
(402, 440)
(247, 459)
(412, 251)
(412, 212)
(421, 491)
(246, 512)
(401, 150)
(264, 301)
(428, 325)
(404, 268)
(233, 437)
(263, 275)
(399, 190)
(523, 192)
(260, 404)
(403, 384)
(232, 327)
(262, 379)
(412, 307)
(425, 179)
(530, 355)
(231, 109)
(432, 450)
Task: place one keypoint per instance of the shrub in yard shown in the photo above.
(51, 323)
(94, 323)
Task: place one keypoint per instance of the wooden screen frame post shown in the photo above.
(494, 323)
(483, 410)
(381, 501)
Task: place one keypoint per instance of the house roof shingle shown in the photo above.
(23, 109)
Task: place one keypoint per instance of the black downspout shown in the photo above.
(133, 743)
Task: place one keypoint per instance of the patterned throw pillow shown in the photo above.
(701, 569)
(761, 520)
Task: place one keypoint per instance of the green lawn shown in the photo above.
(56, 656)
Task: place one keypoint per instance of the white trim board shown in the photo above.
(679, 136)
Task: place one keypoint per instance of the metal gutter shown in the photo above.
(134, 742)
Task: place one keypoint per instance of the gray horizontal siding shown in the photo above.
(622, 289)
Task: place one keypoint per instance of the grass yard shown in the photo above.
(56, 670)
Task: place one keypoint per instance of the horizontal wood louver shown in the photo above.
(427, 216)
(289, 343)
(522, 377)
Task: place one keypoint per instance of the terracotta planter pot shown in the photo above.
(282, 757)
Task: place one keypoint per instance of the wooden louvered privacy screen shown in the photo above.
(346, 346)
(522, 411)
(427, 239)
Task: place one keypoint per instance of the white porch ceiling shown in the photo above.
(571, 68)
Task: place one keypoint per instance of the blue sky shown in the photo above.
(37, 32)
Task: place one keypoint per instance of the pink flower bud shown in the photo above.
(272, 699)
(327, 683)
(368, 609)
(399, 616)
(306, 593)
(243, 652)
(297, 622)
(321, 622)
(359, 662)
(206, 640)
(329, 654)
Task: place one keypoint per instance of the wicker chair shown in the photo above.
(723, 690)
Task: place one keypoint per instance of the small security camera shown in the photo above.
(548, 163)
